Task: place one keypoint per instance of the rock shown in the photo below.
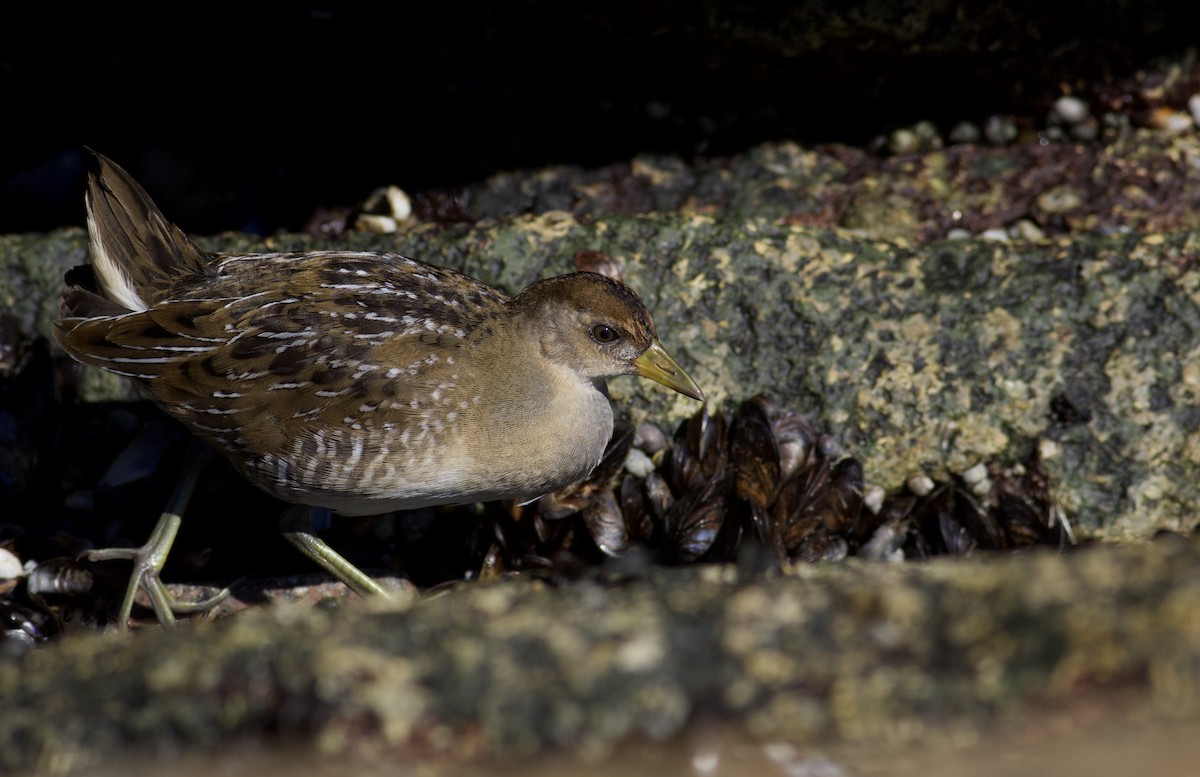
(865, 655)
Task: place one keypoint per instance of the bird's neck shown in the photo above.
(566, 421)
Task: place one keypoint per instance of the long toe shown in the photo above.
(149, 559)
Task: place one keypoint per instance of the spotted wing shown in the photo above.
(328, 337)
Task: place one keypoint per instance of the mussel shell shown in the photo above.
(606, 524)
(694, 521)
(659, 497)
(801, 505)
(705, 435)
(795, 440)
(60, 576)
(755, 456)
(846, 515)
(635, 507)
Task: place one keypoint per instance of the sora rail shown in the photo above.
(361, 382)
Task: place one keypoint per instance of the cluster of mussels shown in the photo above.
(765, 481)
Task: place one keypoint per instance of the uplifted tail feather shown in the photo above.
(136, 252)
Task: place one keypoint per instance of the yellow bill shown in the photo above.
(657, 365)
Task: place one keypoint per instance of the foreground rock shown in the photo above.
(861, 654)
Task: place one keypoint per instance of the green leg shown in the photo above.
(296, 526)
(149, 559)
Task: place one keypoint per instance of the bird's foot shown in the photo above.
(147, 563)
(149, 559)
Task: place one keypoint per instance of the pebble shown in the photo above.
(1193, 104)
(928, 137)
(920, 484)
(922, 136)
(873, 498)
(996, 234)
(976, 480)
(1060, 199)
(1000, 130)
(1171, 121)
(974, 474)
(902, 141)
(1024, 229)
(965, 132)
(10, 565)
(1068, 110)
(638, 463)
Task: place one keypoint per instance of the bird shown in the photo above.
(360, 382)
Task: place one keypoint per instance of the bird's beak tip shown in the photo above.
(657, 365)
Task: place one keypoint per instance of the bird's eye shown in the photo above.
(604, 334)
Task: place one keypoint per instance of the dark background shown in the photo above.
(251, 116)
